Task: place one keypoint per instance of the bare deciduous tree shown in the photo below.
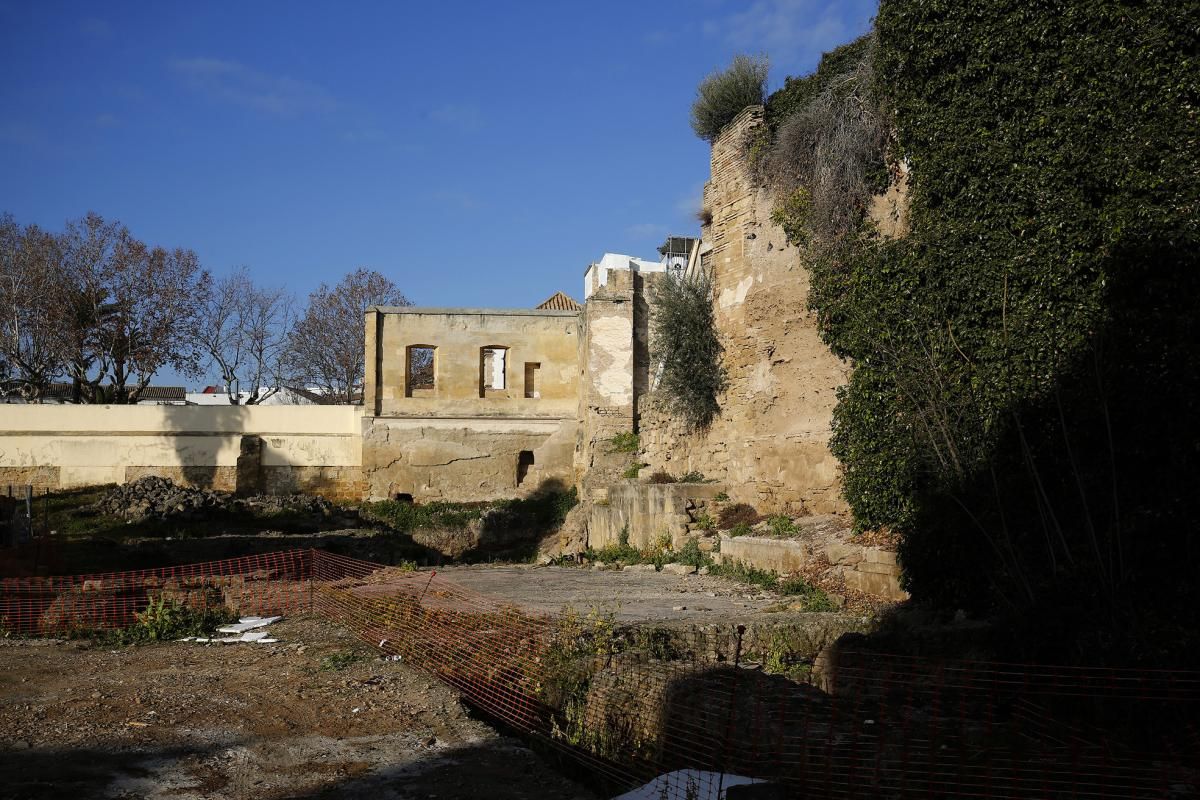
(326, 346)
(243, 329)
(29, 281)
(129, 310)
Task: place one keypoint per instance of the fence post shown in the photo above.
(312, 574)
(29, 510)
(733, 699)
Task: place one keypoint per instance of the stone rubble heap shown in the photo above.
(158, 498)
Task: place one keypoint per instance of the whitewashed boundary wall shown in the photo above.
(249, 449)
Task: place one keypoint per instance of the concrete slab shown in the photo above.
(632, 596)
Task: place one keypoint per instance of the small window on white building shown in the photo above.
(493, 363)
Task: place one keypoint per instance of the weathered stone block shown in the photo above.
(880, 585)
(878, 569)
(843, 553)
(876, 555)
(779, 555)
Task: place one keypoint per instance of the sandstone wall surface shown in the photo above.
(645, 512)
(770, 444)
(547, 339)
(608, 382)
(465, 459)
(871, 570)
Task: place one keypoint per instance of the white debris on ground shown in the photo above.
(689, 783)
(245, 628)
(248, 623)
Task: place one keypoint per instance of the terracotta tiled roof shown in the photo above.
(559, 302)
(163, 393)
(64, 391)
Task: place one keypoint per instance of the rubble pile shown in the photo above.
(279, 503)
(159, 498)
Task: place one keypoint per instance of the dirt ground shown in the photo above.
(317, 715)
(188, 721)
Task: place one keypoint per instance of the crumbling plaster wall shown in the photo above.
(614, 374)
(770, 444)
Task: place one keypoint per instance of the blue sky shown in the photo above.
(478, 153)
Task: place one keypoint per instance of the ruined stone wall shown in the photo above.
(544, 338)
(465, 459)
(645, 512)
(870, 570)
(614, 376)
(463, 439)
(770, 443)
(271, 449)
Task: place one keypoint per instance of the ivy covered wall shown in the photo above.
(1025, 400)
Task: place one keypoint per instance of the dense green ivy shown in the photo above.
(1025, 402)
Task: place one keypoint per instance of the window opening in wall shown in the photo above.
(524, 462)
(492, 368)
(404, 497)
(533, 386)
(420, 373)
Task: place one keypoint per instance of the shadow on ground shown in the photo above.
(500, 768)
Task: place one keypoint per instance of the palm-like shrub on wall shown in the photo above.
(722, 95)
(685, 345)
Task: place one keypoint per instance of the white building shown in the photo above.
(216, 396)
(676, 252)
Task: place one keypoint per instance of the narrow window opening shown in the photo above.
(420, 373)
(493, 363)
(533, 387)
(524, 462)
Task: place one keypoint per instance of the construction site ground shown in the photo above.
(316, 715)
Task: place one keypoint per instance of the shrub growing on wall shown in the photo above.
(685, 344)
(722, 95)
(827, 158)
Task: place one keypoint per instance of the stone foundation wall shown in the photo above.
(222, 479)
(40, 478)
(647, 511)
(465, 460)
(871, 570)
(341, 484)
